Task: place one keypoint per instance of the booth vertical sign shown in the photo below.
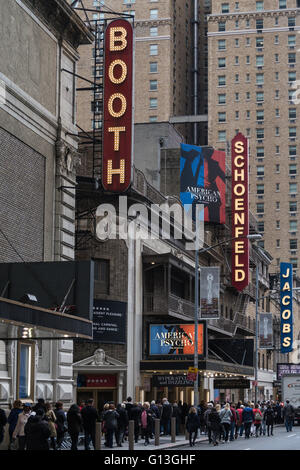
(118, 107)
(286, 307)
(240, 212)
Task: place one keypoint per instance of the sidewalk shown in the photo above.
(164, 443)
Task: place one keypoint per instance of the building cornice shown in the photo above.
(252, 14)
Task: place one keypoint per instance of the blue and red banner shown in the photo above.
(202, 181)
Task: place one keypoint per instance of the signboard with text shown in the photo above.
(287, 369)
(118, 107)
(171, 380)
(109, 321)
(240, 212)
(286, 307)
(175, 339)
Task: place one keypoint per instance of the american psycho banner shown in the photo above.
(202, 181)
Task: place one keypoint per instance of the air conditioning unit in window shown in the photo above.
(292, 121)
(293, 195)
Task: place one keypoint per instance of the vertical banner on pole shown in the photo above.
(240, 212)
(209, 292)
(286, 307)
(266, 331)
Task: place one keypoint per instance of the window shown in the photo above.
(291, 21)
(259, 60)
(225, 7)
(277, 131)
(237, 97)
(293, 225)
(222, 26)
(292, 40)
(222, 98)
(153, 67)
(277, 168)
(282, 4)
(222, 80)
(260, 152)
(292, 169)
(294, 262)
(259, 78)
(260, 189)
(293, 132)
(259, 5)
(248, 41)
(276, 58)
(277, 112)
(153, 119)
(293, 188)
(277, 187)
(237, 43)
(292, 76)
(221, 62)
(153, 85)
(153, 103)
(248, 77)
(293, 206)
(277, 224)
(101, 276)
(276, 40)
(259, 42)
(292, 150)
(259, 23)
(276, 76)
(153, 14)
(153, 49)
(260, 115)
(247, 114)
(260, 208)
(277, 149)
(222, 136)
(248, 95)
(276, 94)
(261, 226)
(237, 78)
(260, 96)
(222, 117)
(278, 243)
(291, 57)
(260, 170)
(237, 115)
(222, 44)
(292, 113)
(277, 205)
(154, 31)
(260, 133)
(247, 60)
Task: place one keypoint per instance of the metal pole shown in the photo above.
(98, 436)
(256, 333)
(195, 69)
(196, 317)
(173, 429)
(131, 435)
(157, 431)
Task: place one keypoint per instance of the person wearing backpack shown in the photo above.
(147, 418)
(248, 418)
(225, 416)
(110, 418)
(257, 419)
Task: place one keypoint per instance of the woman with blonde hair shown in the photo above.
(51, 418)
(225, 415)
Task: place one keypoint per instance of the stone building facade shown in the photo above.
(38, 165)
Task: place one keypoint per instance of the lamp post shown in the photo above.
(252, 237)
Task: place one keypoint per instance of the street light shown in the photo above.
(252, 237)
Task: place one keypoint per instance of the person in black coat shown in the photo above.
(192, 425)
(214, 421)
(135, 415)
(3, 421)
(60, 423)
(122, 423)
(74, 420)
(166, 416)
(110, 418)
(129, 406)
(177, 414)
(269, 417)
(37, 432)
(89, 417)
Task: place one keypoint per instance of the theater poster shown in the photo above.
(209, 292)
(202, 181)
(176, 339)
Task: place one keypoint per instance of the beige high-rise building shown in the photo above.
(164, 74)
(253, 69)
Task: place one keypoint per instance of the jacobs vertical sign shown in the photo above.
(118, 97)
(240, 212)
(286, 307)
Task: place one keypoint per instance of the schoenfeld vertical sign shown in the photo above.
(286, 307)
(240, 212)
(118, 107)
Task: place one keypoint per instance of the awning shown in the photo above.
(25, 315)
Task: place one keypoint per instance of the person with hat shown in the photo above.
(19, 429)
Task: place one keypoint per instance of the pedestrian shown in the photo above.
(263, 423)
(239, 421)
(269, 418)
(201, 410)
(147, 417)
(129, 406)
(166, 415)
(74, 421)
(207, 422)
(19, 432)
(51, 418)
(248, 418)
(3, 421)
(177, 415)
(136, 417)
(81, 405)
(257, 419)
(89, 416)
(37, 431)
(233, 422)
(192, 425)
(60, 423)
(13, 419)
(110, 419)
(225, 416)
(40, 405)
(122, 423)
(288, 414)
(214, 421)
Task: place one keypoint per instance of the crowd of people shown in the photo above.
(41, 427)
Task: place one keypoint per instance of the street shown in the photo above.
(282, 440)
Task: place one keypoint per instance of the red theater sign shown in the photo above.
(240, 212)
(118, 95)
